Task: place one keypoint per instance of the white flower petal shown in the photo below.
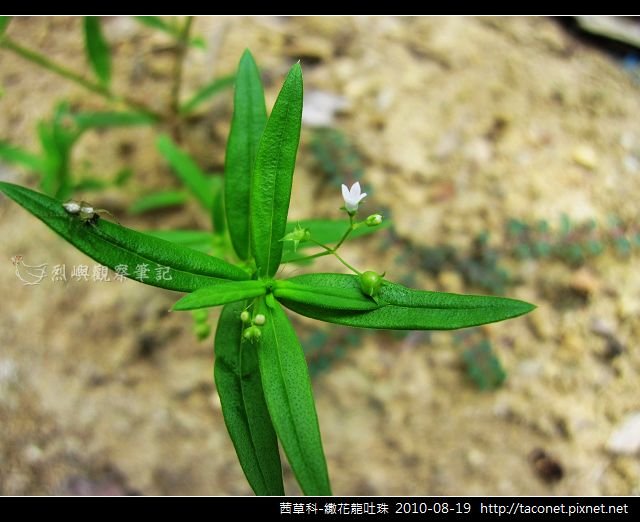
(346, 194)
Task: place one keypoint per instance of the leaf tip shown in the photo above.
(178, 307)
(247, 58)
(523, 307)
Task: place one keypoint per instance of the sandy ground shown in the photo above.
(462, 124)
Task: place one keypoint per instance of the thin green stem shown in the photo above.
(346, 234)
(313, 256)
(73, 76)
(329, 250)
(183, 44)
(46, 63)
(346, 264)
(332, 251)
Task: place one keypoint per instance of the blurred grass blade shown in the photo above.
(158, 200)
(218, 217)
(122, 176)
(97, 49)
(57, 138)
(325, 231)
(91, 183)
(228, 292)
(106, 119)
(204, 93)
(196, 239)
(247, 125)
(147, 259)
(187, 170)
(287, 390)
(403, 308)
(18, 156)
(237, 378)
(273, 175)
(334, 298)
(155, 22)
(4, 23)
(53, 160)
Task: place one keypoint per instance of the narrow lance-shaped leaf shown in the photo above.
(237, 377)
(156, 22)
(287, 390)
(273, 175)
(19, 156)
(147, 259)
(106, 119)
(172, 29)
(207, 91)
(403, 308)
(97, 49)
(218, 217)
(57, 138)
(4, 23)
(221, 294)
(53, 160)
(247, 125)
(187, 170)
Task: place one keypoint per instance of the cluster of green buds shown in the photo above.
(201, 326)
(253, 332)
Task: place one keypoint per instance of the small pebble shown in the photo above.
(584, 282)
(585, 156)
(321, 107)
(625, 439)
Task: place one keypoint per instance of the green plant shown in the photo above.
(569, 242)
(99, 58)
(57, 138)
(481, 362)
(260, 369)
(60, 134)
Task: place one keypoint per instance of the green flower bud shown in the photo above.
(200, 315)
(259, 319)
(202, 331)
(244, 316)
(252, 333)
(370, 282)
(298, 234)
(373, 220)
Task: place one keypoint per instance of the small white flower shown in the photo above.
(352, 197)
